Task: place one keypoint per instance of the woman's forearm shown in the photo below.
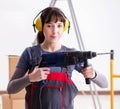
(18, 81)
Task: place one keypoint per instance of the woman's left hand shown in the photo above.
(88, 72)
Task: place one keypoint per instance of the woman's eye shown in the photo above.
(60, 26)
(49, 25)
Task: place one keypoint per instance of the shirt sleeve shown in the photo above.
(19, 79)
(100, 80)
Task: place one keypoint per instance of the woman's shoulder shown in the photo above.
(31, 50)
(34, 47)
(69, 49)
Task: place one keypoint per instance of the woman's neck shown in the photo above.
(51, 47)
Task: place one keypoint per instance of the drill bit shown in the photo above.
(104, 53)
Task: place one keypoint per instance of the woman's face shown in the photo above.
(53, 31)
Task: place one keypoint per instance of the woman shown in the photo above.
(49, 87)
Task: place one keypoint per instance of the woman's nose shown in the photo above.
(55, 29)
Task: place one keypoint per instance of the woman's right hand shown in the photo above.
(39, 74)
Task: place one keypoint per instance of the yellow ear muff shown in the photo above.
(38, 24)
(66, 25)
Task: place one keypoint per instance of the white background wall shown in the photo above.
(99, 24)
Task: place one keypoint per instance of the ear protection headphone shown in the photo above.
(37, 23)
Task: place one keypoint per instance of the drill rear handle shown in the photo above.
(87, 80)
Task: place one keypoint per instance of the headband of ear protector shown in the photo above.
(38, 23)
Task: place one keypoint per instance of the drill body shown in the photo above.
(64, 59)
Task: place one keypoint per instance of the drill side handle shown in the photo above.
(87, 80)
